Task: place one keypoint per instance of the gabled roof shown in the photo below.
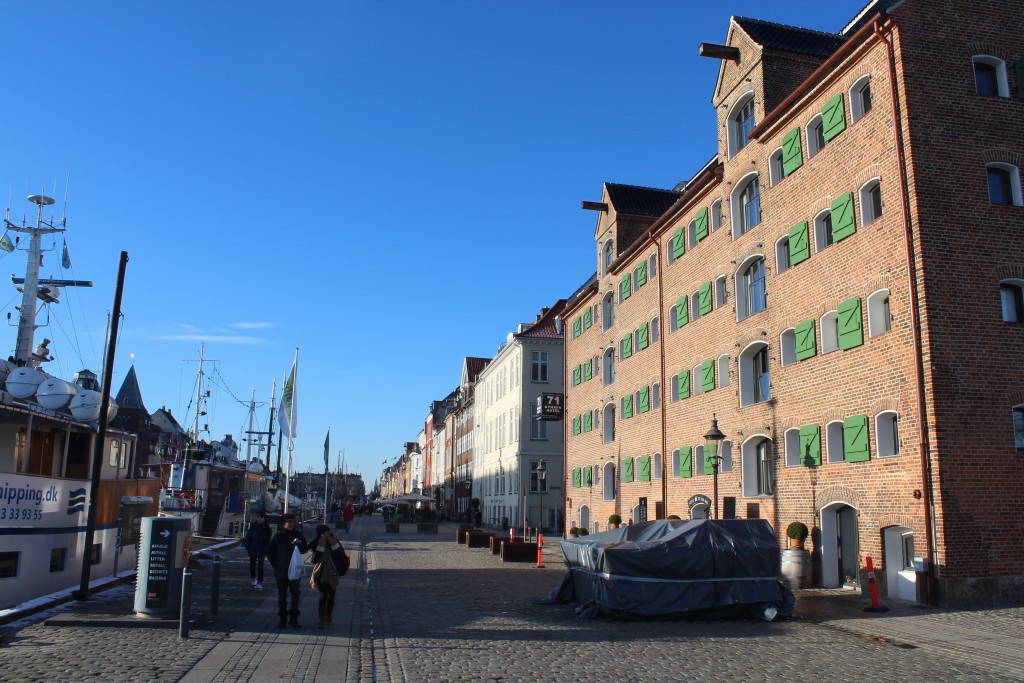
(130, 396)
(546, 327)
(634, 200)
(474, 366)
(790, 38)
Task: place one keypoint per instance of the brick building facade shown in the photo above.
(841, 287)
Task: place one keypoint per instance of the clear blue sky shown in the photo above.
(389, 186)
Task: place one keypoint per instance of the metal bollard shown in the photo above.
(186, 602)
(540, 550)
(215, 590)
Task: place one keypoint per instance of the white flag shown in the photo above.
(288, 418)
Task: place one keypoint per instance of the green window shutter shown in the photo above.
(627, 346)
(707, 376)
(1018, 68)
(588, 476)
(645, 468)
(645, 400)
(576, 374)
(799, 244)
(792, 152)
(627, 406)
(576, 477)
(806, 341)
(678, 243)
(810, 446)
(682, 311)
(643, 337)
(705, 298)
(627, 470)
(702, 224)
(588, 421)
(833, 117)
(577, 424)
(844, 217)
(625, 288)
(684, 384)
(588, 370)
(709, 466)
(641, 274)
(588, 319)
(851, 327)
(576, 328)
(686, 462)
(856, 445)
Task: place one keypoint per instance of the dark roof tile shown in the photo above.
(790, 38)
(634, 200)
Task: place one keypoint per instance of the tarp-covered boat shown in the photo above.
(670, 567)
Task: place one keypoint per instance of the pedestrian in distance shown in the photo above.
(282, 545)
(329, 564)
(334, 512)
(349, 514)
(257, 544)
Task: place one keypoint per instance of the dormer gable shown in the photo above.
(625, 212)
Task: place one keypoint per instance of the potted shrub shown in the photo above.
(574, 532)
(673, 517)
(583, 532)
(614, 521)
(797, 534)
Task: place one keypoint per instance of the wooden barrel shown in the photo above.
(796, 568)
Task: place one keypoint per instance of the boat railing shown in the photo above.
(182, 499)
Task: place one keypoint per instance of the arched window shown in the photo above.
(990, 76)
(787, 340)
(887, 434)
(751, 296)
(815, 136)
(823, 230)
(607, 256)
(782, 254)
(1003, 184)
(755, 386)
(657, 466)
(791, 439)
(716, 215)
(1011, 296)
(608, 432)
(655, 396)
(652, 267)
(776, 170)
(834, 449)
(758, 467)
(725, 450)
(741, 122)
(691, 235)
(655, 330)
(1018, 427)
(871, 201)
(609, 481)
(609, 366)
(723, 370)
(860, 97)
(720, 293)
(607, 311)
(585, 517)
(746, 206)
(695, 305)
(830, 332)
(698, 386)
(879, 317)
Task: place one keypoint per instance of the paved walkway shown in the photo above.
(421, 607)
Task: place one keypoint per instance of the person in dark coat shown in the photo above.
(280, 554)
(257, 544)
(328, 552)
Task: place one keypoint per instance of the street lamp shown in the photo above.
(711, 440)
(542, 477)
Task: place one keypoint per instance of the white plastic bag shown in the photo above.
(296, 568)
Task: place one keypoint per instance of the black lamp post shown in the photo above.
(542, 477)
(711, 440)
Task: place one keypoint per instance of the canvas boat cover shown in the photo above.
(669, 567)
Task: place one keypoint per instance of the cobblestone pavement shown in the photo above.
(421, 607)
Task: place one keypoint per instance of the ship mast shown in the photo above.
(199, 395)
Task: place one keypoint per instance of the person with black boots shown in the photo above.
(329, 564)
(282, 545)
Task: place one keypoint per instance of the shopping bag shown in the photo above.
(295, 566)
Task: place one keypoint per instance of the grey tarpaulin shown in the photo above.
(670, 567)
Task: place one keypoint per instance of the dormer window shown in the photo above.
(741, 122)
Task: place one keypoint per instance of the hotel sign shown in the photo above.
(550, 407)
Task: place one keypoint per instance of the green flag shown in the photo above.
(5, 243)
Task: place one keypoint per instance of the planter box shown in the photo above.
(478, 539)
(391, 528)
(426, 528)
(460, 536)
(496, 542)
(518, 552)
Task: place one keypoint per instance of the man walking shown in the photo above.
(282, 546)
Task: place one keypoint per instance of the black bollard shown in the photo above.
(215, 591)
(186, 603)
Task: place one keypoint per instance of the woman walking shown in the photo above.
(329, 564)
(257, 543)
